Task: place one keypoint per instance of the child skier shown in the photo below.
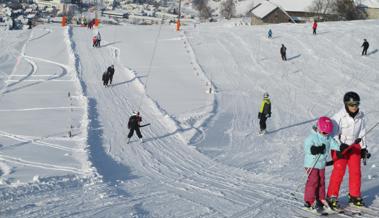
(317, 147)
(94, 40)
(269, 34)
(314, 27)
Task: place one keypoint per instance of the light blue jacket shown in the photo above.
(317, 139)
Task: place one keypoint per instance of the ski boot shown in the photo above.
(333, 203)
(356, 201)
(325, 204)
(314, 208)
(310, 206)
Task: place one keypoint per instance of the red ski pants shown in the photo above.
(315, 186)
(352, 159)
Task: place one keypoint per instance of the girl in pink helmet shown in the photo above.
(317, 149)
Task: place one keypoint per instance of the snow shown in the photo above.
(200, 89)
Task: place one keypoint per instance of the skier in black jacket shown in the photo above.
(105, 78)
(283, 51)
(365, 46)
(134, 124)
(110, 71)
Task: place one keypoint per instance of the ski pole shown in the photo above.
(308, 172)
(350, 147)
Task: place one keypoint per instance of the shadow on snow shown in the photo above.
(110, 169)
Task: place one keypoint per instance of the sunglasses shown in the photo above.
(353, 104)
(324, 133)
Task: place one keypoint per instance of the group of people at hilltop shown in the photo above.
(283, 49)
(341, 138)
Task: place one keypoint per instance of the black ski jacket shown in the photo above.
(365, 45)
(134, 122)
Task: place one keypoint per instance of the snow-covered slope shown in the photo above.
(201, 156)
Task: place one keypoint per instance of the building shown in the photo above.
(266, 12)
(64, 7)
(371, 7)
(281, 11)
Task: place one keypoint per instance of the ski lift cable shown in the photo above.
(151, 62)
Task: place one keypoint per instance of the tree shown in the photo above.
(349, 10)
(322, 7)
(202, 7)
(228, 9)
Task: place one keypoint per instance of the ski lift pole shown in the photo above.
(372, 128)
(308, 172)
(366, 156)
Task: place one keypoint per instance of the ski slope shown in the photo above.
(200, 89)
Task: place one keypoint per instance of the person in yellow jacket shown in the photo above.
(264, 112)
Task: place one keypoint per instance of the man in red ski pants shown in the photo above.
(351, 159)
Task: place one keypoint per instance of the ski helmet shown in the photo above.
(266, 95)
(325, 125)
(351, 97)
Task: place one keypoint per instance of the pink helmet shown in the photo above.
(325, 125)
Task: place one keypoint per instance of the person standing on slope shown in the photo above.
(365, 46)
(316, 148)
(134, 124)
(349, 131)
(269, 34)
(98, 40)
(283, 51)
(314, 27)
(105, 78)
(264, 112)
(110, 71)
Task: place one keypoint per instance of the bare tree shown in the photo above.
(228, 9)
(322, 7)
(202, 7)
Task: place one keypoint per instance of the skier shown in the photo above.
(110, 71)
(365, 46)
(134, 125)
(98, 39)
(283, 51)
(349, 131)
(314, 27)
(264, 112)
(94, 41)
(105, 78)
(316, 149)
(269, 34)
(30, 23)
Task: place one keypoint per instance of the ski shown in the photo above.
(319, 211)
(361, 211)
